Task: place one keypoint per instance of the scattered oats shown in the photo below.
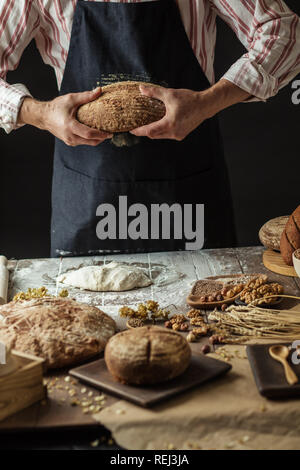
(91, 408)
(72, 392)
(74, 382)
(120, 412)
(83, 390)
(85, 410)
(229, 445)
(90, 394)
(95, 443)
(67, 379)
(67, 387)
(99, 398)
(245, 438)
(193, 445)
(98, 408)
(86, 403)
(171, 447)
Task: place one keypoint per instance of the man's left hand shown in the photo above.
(185, 110)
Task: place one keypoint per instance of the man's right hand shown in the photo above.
(59, 117)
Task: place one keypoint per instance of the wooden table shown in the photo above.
(57, 412)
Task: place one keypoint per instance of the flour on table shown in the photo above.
(110, 277)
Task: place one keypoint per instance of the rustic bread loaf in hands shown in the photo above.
(147, 355)
(290, 238)
(121, 108)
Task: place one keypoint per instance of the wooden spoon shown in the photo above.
(281, 353)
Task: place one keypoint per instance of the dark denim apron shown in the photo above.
(145, 42)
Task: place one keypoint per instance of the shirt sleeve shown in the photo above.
(19, 22)
(270, 31)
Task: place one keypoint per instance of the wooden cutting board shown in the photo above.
(274, 262)
(269, 374)
(201, 370)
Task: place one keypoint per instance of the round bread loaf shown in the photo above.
(121, 108)
(62, 331)
(147, 355)
(290, 238)
(270, 233)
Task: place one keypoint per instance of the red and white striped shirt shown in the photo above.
(268, 29)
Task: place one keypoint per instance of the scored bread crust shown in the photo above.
(270, 233)
(62, 331)
(290, 238)
(147, 355)
(121, 108)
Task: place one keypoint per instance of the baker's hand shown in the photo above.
(184, 112)
(59, 117)
(187, 109)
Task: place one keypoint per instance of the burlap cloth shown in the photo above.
(228, 413)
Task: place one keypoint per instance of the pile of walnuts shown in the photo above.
(258, 290)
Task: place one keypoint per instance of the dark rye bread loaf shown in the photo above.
(290, 238)
(270, 233)
(121, 108)
(147, 355)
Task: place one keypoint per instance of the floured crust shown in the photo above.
(147, 355)
(62, 331)
(270, 233)
(121, 108)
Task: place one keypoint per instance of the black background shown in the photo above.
(261, 147)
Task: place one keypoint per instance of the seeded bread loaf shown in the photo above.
(62, 331)
(270, 233)
(147, 355)
(121, 108)
(290, 238)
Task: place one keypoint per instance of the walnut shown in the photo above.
(178, 318)
(197, 321)
(201, 331)
(194, 313)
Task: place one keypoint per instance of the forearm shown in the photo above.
(220, 96)
(32, 112)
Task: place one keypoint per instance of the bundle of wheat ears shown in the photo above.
(243, 323)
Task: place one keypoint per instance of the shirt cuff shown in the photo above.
(252, 78)
(11, 99)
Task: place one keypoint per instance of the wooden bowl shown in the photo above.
(194, 301)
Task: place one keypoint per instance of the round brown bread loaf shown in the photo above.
(62, 331)
(121, 108)
(147, 355)
(290, 238)
(270, 233)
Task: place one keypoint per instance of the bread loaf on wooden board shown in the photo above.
(147, 355)
(121, 108)
(270, 233)
(290, 238)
